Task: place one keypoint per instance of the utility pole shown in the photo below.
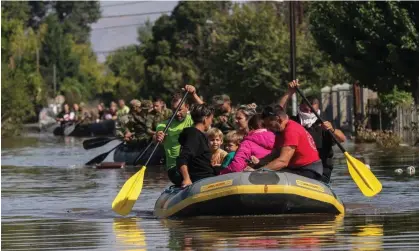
(54, 80)
(292, 53)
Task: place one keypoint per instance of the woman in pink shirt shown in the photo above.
(259, 142)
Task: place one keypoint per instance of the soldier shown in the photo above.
(225, 115)
(123, 109)
(160, 113)
(135, 127)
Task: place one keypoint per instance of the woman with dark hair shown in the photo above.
(243, 114)
(194, 160)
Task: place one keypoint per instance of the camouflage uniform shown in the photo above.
(227, 126)
(138, 124)
(230, 124)
(159, 117)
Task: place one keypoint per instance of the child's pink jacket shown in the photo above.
(258, 143)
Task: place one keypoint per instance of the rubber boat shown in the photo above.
(129, 152)
(103, 128)
(249, 193)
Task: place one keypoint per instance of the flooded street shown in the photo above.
(51, 202)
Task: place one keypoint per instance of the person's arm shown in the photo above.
(291, 90)
(268, 158)
(159, 136)
(338, 133)
(189, 146)
(149, 125)
(192, 91)
(185, 174)
(238, 163)
(286, 154)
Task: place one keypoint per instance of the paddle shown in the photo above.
(69, 129)
(130, 191)
(98, 159)
(361, 174)
(97, 142)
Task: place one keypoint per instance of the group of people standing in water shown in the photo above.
(206, 140)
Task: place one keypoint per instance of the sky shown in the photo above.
(105, 37)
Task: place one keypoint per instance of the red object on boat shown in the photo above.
(110, 165)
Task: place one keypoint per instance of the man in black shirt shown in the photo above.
(322, 138)
(194, 160)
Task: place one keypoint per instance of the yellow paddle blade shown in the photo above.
(363, 177)
(126, 198)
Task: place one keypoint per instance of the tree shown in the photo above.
(77, 16)
(174, 56)
(376, 42)
(127, 68)
(22, 84)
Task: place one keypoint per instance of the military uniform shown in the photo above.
(139, 124)
(159, 117)
(230, 124)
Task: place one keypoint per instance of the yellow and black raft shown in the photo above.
(249, 193)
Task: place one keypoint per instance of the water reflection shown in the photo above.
(254, 232)
(50, 202)
(129, 233)
(50, 234)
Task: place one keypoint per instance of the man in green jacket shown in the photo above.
(182, 120)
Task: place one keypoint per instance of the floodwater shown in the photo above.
(49, 201)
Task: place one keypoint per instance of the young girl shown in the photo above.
(233, 140)
(215, 138)
(259, 142)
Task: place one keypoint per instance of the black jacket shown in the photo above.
(324, 141)
(195, 153)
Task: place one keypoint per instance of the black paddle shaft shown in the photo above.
(318, 117)
(167, 126)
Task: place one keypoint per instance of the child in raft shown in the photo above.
(258, 143)
(215, 138)
(233, 139)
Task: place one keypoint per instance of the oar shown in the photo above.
(69, 129)
(97, 142)
(98, 159)
(130, 191)
(361, 174)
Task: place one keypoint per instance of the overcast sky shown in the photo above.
(108, 38)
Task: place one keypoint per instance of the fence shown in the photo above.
(407, 123)
(344, 105)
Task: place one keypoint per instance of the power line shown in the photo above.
(121, 4)
(139, 14)
(117, 26)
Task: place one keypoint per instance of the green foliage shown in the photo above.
(390, 101)
(35, 37)
(376, 42)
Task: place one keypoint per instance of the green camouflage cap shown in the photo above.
(147, 104)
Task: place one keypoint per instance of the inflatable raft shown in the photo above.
(249, 193)
(129, 152)
(103, 128)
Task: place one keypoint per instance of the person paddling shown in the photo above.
(297, 150)
(194, 161)
(182, 120)
(319, 132)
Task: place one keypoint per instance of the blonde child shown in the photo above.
(233, 140)
(215, 137)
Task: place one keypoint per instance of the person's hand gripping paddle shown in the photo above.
(360, 173)
(131, 190)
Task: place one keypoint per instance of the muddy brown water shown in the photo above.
(49, 201)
